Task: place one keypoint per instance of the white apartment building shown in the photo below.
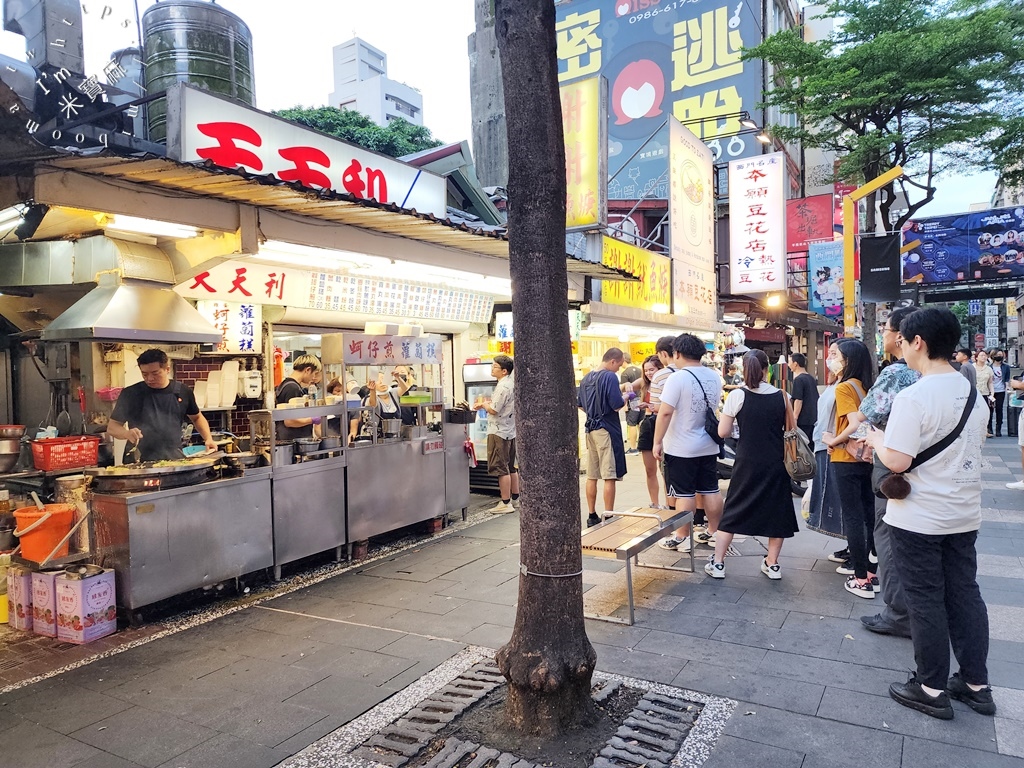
(361, 83)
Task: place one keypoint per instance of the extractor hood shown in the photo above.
(132, 312)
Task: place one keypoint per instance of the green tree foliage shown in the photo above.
(399, 138)
(921, 84)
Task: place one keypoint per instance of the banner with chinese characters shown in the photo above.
(661, 58)
(285, 286)
(651, 290)
(361, 349)
(757, 224)
(228, 134)
(691, 229)
(808, 220)
(585, 153)
(825, 274)
(505, 334)
(240, 325)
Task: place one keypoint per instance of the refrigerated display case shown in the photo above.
(480, 383)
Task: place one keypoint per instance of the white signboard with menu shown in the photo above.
(240, 281)
(757, 224)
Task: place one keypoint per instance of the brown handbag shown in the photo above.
(797, 454)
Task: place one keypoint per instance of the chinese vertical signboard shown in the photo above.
(288, 287)
(585, 165)
(652, 288)
(691, 228)
(231, 135)
(240, 325)
(661, 58)
(825, 275)
(757, 230)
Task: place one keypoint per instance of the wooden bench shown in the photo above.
(628, 533)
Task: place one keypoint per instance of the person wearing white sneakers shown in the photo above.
(691, 456)
(759, 502)
(501, 436)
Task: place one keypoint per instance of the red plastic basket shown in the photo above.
(52, 453)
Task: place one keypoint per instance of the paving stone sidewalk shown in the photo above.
(256, 686)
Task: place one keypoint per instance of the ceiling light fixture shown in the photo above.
(151, 227)
(10, 217)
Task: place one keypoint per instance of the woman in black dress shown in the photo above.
(760, 500)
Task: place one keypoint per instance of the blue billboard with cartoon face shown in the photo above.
(661, 58)
(979, 246)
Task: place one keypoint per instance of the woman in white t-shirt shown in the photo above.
(760, 501)
(934, 529)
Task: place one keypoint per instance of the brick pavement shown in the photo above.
(257, 686)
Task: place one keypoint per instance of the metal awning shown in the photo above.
(267, 191)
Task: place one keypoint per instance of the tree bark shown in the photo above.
(549, 661)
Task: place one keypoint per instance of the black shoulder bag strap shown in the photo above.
(709, 412)
(703, 393)
(934, 450)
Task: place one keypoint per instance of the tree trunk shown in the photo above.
(549, 661)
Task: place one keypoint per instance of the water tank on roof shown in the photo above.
(195, 42)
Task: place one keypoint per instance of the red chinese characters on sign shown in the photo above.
(227, 154)
(808, 220)
(275, 284)
(237, 283)
(309, 166)
(200, 281)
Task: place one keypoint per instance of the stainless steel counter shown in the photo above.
(456, 469)
(309, 509)
(163, 543)
(392, 485)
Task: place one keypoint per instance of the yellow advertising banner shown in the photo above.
(653, 288)
(581, 125)
(640, 351)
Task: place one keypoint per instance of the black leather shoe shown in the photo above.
(882, 627)
(980, 701)
(593, 520)
(911, 694)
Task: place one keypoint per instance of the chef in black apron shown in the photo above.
(150, 414)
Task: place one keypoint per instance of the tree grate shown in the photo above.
(649, 736)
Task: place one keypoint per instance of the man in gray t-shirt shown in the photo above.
(963, 359)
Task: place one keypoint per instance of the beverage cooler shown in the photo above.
(480, 385)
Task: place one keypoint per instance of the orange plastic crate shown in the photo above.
(52, 453)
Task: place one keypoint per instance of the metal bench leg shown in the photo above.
(629, 589)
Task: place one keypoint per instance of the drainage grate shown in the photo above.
(396, 744)
(649, 737)
(10, 663)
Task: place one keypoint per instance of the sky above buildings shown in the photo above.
(426, 42)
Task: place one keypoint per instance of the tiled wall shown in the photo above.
(198, 369)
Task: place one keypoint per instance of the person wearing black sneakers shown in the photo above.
(933, 438)
(875, 409)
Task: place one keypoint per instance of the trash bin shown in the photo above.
(1012, 415)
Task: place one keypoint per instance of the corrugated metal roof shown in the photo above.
(238, 185)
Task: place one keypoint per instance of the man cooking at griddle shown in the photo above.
(150, 414)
